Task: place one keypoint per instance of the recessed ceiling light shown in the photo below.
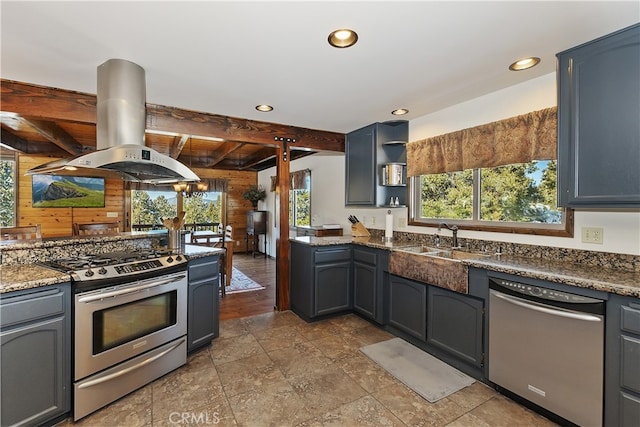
(343, 38)
(524, 63)
(264, 108)
(400, 112)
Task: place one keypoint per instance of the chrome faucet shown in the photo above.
(454, 230)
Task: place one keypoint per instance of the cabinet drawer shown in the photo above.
(31, 306)
(203, 268)
(330, 255)
(630, 320)
(364, 256)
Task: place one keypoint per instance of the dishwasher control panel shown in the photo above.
(544, 293)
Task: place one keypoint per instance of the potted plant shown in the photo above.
(254, 194)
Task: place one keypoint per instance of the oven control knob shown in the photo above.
(178, 258)
(169, 260)
(102, 270)
(88, 273)
(536, 291)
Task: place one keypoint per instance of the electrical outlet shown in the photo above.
(373, 220)
(402, 222)
(592, 235)
(112, 214)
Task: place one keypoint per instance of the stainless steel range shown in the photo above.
(130, 322)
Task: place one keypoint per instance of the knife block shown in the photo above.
(359, 230)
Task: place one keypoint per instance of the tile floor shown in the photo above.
(277, 370)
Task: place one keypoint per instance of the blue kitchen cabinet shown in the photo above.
(35, 342)
(320, 280)
(203, 324)
(622, 362)
(367, 151)
(598, 127)
(407, 305)
(370, 269)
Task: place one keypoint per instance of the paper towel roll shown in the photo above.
(388, 227)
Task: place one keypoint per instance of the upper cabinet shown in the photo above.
(599, 122)
(376, 172)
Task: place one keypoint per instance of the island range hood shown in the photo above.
(120, 127)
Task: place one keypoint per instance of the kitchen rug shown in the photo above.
(241, 283)
(428, 376)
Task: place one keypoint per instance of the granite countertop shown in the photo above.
(612, 280)
(28, 276)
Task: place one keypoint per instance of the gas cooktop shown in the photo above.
(119, 265)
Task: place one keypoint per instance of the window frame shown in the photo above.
(564, 229)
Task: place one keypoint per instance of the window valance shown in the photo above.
(297, 180)
(519, 139)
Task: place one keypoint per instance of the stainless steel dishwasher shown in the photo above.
(547, 346)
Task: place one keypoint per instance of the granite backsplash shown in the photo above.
(50, 249)
(589, 258)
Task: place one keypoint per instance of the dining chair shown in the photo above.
(21, 233)
(96, 228)
(226, 258)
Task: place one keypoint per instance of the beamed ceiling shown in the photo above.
(52, 122)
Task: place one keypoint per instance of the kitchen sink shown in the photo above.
(435, 266)
(451, 254)
(420, 249)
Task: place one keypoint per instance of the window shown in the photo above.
(8, 191)
(149, 207)
(500, 176)
(300, 203)
(516, 196)
(203, 210)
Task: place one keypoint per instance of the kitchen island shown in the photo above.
(45, 311)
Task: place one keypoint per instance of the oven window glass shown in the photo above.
(123, 323)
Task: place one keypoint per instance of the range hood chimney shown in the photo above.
(120, 127)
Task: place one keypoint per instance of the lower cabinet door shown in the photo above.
(332, 291)
(364, 289)
(455, 324)
(408, 306)
(35, 381)
(202, 314)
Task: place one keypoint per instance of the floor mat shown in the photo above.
(428, 376)
(241, 283)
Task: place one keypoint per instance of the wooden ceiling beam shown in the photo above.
(178, 145)
(15, 142)
(59, 104)
(47, 102)
(55, 134)
(258, 157)
(222, 153)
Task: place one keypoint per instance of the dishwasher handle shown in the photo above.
(545, 308)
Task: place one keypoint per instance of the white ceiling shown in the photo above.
(227, 57)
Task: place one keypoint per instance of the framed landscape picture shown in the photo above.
(56, 191)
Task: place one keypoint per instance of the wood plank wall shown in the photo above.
(57, 222)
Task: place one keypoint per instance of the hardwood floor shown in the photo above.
(244, 304)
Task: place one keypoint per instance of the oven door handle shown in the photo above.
(544, 309)
(130, 368)
(120, 292)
